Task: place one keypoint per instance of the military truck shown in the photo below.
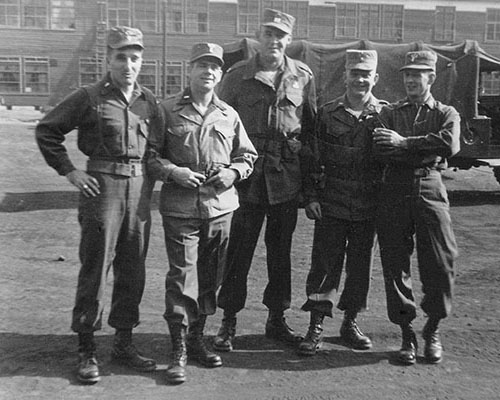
(462, 70)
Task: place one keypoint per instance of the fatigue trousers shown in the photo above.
(115, 228)
(417, 206)
(337, 241)
(197, 251)
(245, 230)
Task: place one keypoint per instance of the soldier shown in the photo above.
(418, 134)
(344, 206)
(276, 99)
(114, 118)
(203, 151)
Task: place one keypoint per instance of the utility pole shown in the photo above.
(164, 51)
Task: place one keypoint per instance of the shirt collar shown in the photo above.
(253, 66)
(186, 99)
(430, 102)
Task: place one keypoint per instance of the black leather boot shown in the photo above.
(407, 355)
(124, 352)
(278, 329)
(351, 334)
(87, 370)
(313, 340)
(433, 350)
(224, 339)
(196, 347)
(176, 370)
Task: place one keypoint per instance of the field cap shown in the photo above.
(279, 20)
(423, 60)
(204, 49)
(361, 59)
(124, 36)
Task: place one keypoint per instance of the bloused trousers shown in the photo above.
(197, 250)
(337, 241)
(416, 206)
(246, 226)
(115, 228)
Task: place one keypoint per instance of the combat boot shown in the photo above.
(407, 355)
(196, 347)
(313, 340)
(124, 352)
(176, 371)
(278, 329)
(224, 339)
(88, 369)
(351, 334)
(433, 350)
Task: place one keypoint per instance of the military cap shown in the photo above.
(212, 50)
(279, 20)
(424, 60)
(124, 36)
(361, 59)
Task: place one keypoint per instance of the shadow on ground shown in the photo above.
(34, 201)
(52, 356)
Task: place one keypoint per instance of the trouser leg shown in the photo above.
(360, 242)
(327, 260)
(436, 248)
(281, 222)
(212, 257)
(245, 229)
(100, 219)
(129, 267)
(395, 232)
(181, 283)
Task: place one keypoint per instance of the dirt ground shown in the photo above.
(39, 267)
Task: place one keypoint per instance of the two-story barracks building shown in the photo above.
(49, 47)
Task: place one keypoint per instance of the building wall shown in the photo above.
(65, 48)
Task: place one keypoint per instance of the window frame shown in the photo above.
(12, 60)
(495, 24)
(351, 19)
(441, 33)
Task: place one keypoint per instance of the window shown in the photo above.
(493, 24)
(248, 17)
(187, 16)
(346, 20)
(62, 14)
(490, 83)
(392, 22)
(146, 15)
(369, 21)
(35, 13)
(10, 13)
(197, 16)
(90, 70)
(10, 74)
(119, 12)
(36, 75)
(149, 75)
(444, 23)
(174, 77)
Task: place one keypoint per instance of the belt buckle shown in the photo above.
(133, 169)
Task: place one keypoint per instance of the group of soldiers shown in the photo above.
(254, 149)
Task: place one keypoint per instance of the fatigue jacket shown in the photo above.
(109, 128)
(204, 144)
(348, 189)
(279, 121)
(432, 130)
